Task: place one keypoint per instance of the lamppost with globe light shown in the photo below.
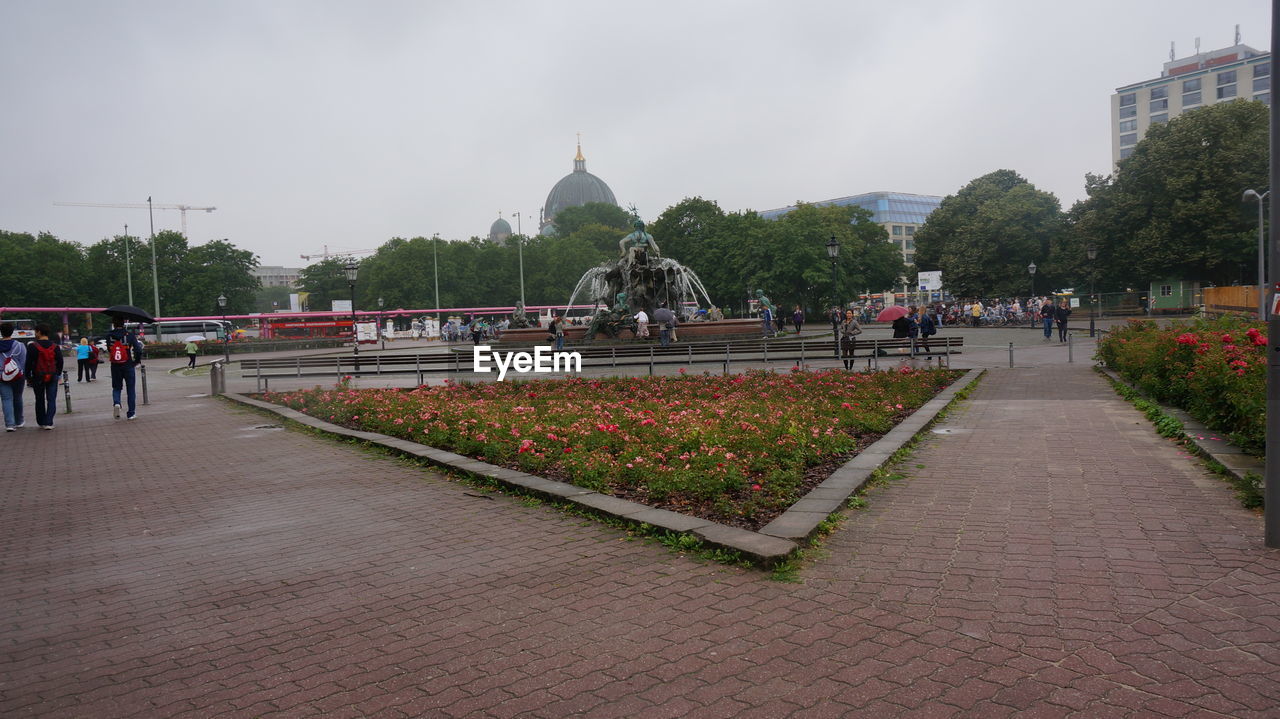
(1031, 270)
(226, 332)
(833, 253)
(351, 271)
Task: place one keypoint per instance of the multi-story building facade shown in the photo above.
(1236, 72)
(899, 213)
(277, 276)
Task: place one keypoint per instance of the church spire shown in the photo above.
(579, 162)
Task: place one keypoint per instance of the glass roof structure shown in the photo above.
(884, 206)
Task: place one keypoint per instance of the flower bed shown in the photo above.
(1214, 369)
(734, 449)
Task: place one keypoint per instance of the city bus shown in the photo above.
(179, 330)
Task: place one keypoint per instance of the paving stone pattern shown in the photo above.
(1052, 557)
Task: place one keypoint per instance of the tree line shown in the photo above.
(1173, 209)
(733, 253)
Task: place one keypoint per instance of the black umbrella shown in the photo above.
(129, 312)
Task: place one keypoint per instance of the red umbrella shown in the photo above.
(891, 313)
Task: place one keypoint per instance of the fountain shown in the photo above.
(642, 279)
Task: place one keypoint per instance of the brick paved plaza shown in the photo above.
(1047, 555)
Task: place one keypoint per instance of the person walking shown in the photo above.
(666, 320)
(642, 325)
(44, 367)
(1060, 315)
(797, 318)
(766, 321)
(191, 349)
(1046, 317)
(94, 359)
(847, 331)
(928, 328)
(557, 328)
(125, 354)
(82, 361)
(13, 365)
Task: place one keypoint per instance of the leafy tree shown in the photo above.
(1173, 208)
(325, 281)
(43, 271)
(264, 298)
(571, 219)
(983, 237)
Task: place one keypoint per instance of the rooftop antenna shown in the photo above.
(1197, 46)
(1237, 34)
(1171, 55)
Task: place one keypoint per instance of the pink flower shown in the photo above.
(756, 488)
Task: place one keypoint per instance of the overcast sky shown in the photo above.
(345, 124)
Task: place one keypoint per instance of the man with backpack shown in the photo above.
(44, 367)
(13, 362)
(125, 354)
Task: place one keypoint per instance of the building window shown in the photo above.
(1264, 98)
(1226, 78)
(911, 245)
(1263, 70)
(1226, 91)
(897, 229)
(1159, 105)
(1166, 290)
(1125, 152)
(1130, 139)
(1159, 119)
(911, 258)
(1130, 99)
(1159, 92)
(1128, 112)
(1128, 125)
(911, 230)
(1261, 83)
(1190, 99)
(1191, 85)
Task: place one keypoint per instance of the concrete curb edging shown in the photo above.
(1222, 451)
(772, 544)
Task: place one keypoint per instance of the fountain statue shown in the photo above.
(640, 279)
(519, 319)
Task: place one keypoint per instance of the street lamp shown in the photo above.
(833, 252)
(226, 334)
(1031, 270)
(520, 245)
(381, 333)
(351, 270)
(1091, 250)
(1262, 277)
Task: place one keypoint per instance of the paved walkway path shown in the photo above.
(1048, 556)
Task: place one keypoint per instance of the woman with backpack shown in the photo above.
(44, 367)
(13, 362)
(928, 328)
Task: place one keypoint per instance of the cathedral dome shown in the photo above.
(574, 189)
(499, 230)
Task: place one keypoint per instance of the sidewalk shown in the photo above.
(200, 562)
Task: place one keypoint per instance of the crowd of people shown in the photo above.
(38, 364)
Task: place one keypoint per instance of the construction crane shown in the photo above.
(336, 252)
(141, 206)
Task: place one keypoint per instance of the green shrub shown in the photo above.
(1214, 369)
